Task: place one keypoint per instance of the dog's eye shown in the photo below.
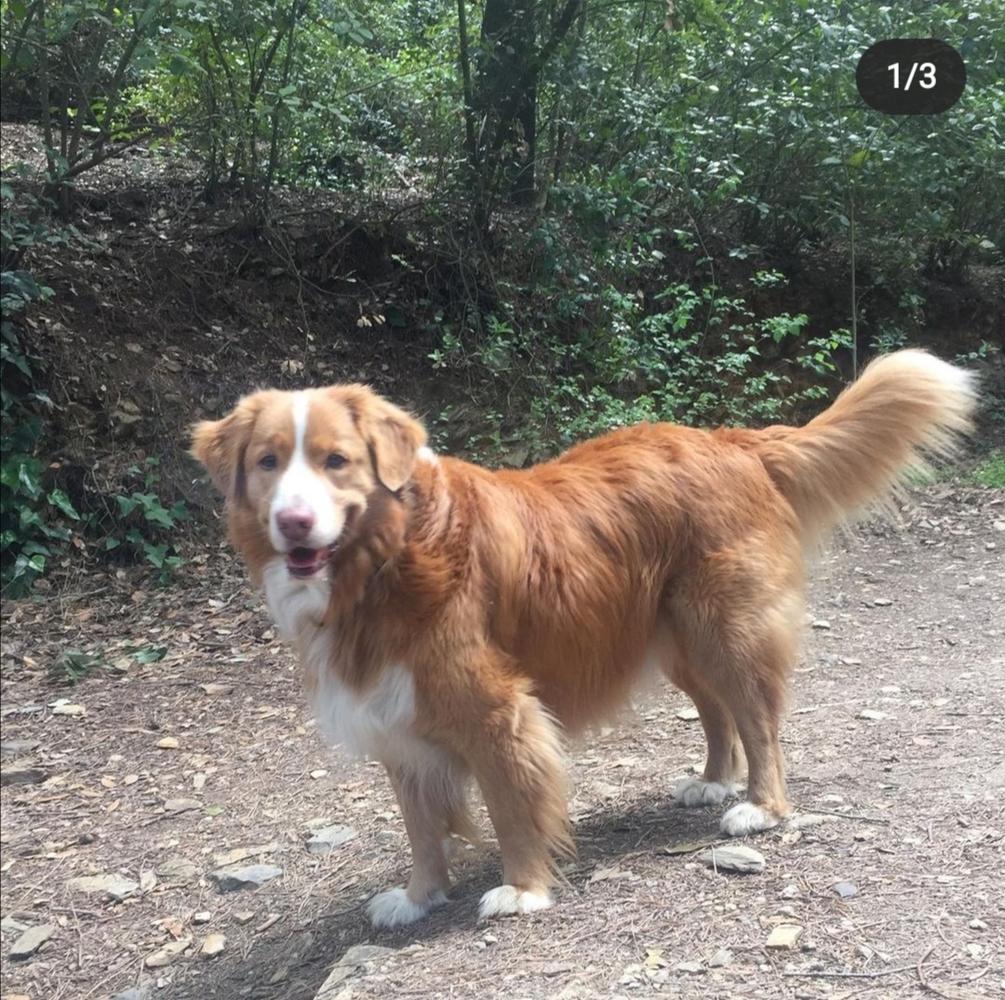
(267, 462)
(335, 461)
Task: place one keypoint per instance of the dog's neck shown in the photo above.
(375, 544)
(392, 547)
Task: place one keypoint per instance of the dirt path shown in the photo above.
(161, 776)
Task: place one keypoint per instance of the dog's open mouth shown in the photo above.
(304, 563)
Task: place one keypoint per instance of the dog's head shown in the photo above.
(300, 468)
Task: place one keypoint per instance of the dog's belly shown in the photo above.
(583, 692)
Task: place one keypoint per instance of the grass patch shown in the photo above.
(991, 471)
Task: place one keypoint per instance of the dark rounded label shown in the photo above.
(911, 76)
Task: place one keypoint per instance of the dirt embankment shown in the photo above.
(167, 309)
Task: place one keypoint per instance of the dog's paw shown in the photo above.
(746, 818)
(692, 792)
(394, 909)
(508, 899)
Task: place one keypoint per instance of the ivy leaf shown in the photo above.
(59, 499)
(150, 654)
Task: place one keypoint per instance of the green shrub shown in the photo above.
(34, 520)
(991, 471)
(696, 356)
(146, 529)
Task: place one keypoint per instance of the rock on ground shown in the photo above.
(114, 886)
(325, 840)
(31, 940)
(249, 877)
(733, 858)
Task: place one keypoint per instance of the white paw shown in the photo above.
(394, 909)
(746, 818)
(693, 792)
(507, 899)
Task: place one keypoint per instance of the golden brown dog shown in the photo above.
(455, 622)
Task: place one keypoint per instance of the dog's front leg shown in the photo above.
(430, 794)
(519, 766)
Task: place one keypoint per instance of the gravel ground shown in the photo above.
(186, 746)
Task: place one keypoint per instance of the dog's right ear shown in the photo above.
(220, 445)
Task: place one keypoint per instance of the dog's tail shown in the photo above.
(905, 407)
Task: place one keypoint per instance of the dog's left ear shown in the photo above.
(220, 445)
(393, 437)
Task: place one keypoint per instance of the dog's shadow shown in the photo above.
(309, 955)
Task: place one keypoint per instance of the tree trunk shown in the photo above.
(509, 68)
(506, 95)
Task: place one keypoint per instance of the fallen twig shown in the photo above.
(851, 975)
(858, 816)
(921, 962)
(924, 983)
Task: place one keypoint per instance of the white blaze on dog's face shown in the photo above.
(305, 464)
(308, 473)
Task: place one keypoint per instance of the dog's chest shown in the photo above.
(377, 722)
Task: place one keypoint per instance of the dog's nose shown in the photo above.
(295, 523)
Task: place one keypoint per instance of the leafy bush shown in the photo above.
(33, 519)
(991, 471)
(145, 528)
(248, 89)
(80, 58)
(698, 357)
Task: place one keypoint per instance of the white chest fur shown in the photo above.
(377, 723)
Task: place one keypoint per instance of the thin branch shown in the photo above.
(811, 974)
(225, 66)
(88, 76)
(856, 816)
(270, 54)
(277, 110)
(637, 71)
(465, 58)
(45, 98)
(102, 151)
(123, 64)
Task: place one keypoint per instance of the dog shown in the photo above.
(454, 622)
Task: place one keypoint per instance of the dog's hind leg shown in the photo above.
(432, 805)
(725, 763)
(739, 624)
(750, 675)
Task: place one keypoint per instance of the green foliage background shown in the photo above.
(695, 164)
